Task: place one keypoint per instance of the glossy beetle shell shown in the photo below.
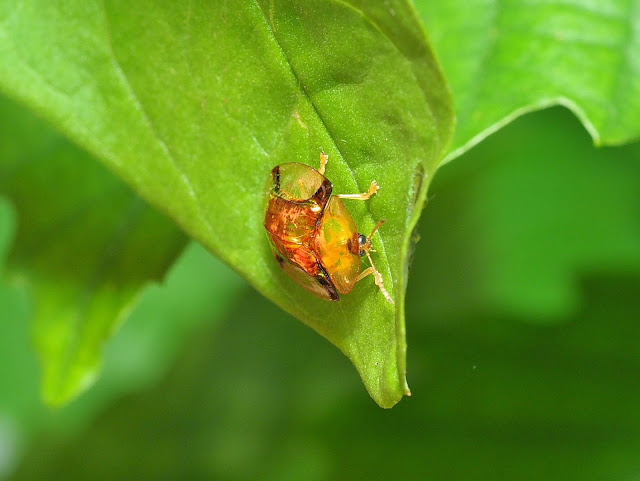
(312, 234)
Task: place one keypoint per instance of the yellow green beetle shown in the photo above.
(312, 234)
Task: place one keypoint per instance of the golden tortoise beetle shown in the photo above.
(312, 234)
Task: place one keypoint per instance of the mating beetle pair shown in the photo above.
(312, 234)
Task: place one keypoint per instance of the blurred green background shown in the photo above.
(523, 325)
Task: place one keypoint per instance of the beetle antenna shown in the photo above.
(380, 222)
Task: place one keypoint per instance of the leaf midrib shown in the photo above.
(147, 120)
(271, 28)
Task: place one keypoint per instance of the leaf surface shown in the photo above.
(503, 59)
(193, 105)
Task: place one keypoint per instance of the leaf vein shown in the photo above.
(163, 145)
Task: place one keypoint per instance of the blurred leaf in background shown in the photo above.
(509, 382)
(503, 59)
(195, 293)
(85, 244)
(79, 246)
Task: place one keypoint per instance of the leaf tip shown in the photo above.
(59, 389)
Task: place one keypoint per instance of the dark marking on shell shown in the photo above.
(325, 282)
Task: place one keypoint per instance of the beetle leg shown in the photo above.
(373, 188)
(368, 271)
(324, 158)
(377, 278)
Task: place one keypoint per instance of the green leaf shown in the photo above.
(195, 294)
(194, 105)
(85, 246)
(503, 59)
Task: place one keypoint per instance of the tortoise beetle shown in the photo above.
(312, 234)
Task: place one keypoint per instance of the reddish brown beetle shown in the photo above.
(312, 234)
